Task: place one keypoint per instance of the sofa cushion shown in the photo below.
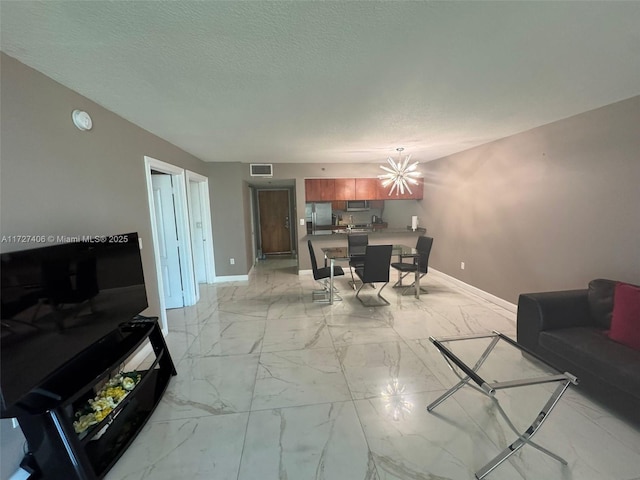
(592, 350)
(600, 297)
(625, 321)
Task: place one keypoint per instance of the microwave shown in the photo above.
(357, 205)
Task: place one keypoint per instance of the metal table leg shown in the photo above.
(489, 390)
(463, 380)
(416, 280)
(525, 437)
(331, 282)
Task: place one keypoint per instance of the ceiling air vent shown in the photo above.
(262, 170)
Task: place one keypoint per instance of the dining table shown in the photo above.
(344, 253)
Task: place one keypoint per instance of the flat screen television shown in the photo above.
(57, 301)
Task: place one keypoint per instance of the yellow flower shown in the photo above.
(128, 383)
(117, 393)
(106, 400)
(84, 422)
(102, 403)
(102, 414)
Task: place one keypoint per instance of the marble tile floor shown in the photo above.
(273, 386)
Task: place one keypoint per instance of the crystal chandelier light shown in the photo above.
(400, 175)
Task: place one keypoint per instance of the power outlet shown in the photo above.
(232, 261)
(461, 265)
(302, 222)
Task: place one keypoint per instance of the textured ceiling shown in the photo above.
(332, 81)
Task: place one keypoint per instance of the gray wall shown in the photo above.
(60, 181)
(397, 212)
(550, 208)
(229, 206)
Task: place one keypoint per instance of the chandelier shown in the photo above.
(400, 175)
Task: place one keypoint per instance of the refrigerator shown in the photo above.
(318, 218)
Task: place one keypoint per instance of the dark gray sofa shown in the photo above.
(568, 329)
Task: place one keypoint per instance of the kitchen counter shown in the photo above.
(373, 232)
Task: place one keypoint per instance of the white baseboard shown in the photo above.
(232, 278)
(474, 290)
(460, 284)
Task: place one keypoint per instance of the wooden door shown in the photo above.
(275, 225)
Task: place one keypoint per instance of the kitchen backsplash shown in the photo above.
(358, 217)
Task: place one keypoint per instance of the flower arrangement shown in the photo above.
(109, 396)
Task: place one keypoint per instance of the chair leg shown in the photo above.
(399, 284)
(410, 290)
(353, 280)
(379, 295)
(322, 295)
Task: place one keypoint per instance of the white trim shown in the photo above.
(182, 224)
(232, 278)
(474, 290)
(209, 252)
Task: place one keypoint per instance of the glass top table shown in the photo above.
(476, 358)
(344, 253)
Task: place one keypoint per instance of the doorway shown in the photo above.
(200, 228)
(274, 220)
(170, 238)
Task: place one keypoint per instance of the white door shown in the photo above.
(197, 233)
(168, 244)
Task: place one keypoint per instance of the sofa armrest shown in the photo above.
(542, 311)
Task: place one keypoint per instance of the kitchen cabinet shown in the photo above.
(319, 189)
(345, 189)
(366, 189)
(338, 190)
(339, 205)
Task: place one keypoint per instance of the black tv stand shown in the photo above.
(56, 451)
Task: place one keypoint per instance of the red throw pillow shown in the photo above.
(625, 321)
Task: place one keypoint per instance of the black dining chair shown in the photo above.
(375, 270)
(323, 274)
(357, 243)
(419, 264)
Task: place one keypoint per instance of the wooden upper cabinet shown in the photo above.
(417, 192)
(339, 205)
(340, 189)
(383, 192)
(319, 189)
(367, 188)
(345, 189)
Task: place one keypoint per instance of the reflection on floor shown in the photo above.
(273, 386)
